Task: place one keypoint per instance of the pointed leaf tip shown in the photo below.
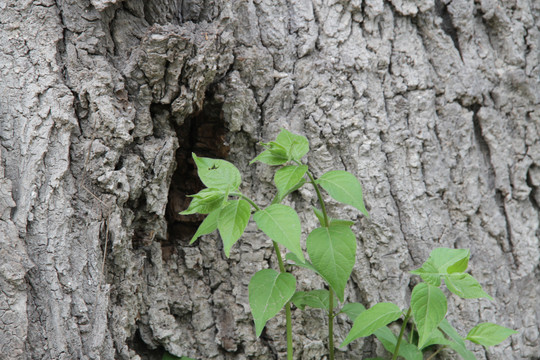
(209, 225)
(288, 178)
(488, 334)
(232, 221)
(332, 251)
(465, 286)
(371, 320)
(282, 225)
(217, 173)
(429, 306)
(296, 145)
(344, 187)
(269, 291)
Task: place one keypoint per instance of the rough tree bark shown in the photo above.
(433, 104)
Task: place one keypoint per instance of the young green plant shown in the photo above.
(428, 308)
(331, 247)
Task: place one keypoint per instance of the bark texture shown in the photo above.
(434, 105)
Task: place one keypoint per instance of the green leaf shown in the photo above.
(443, 261)
(296, 145)
(317, 299)
(288, 178)
(206, 201)
(389, 341)
(460, 265)
(428, 305)
(409, 352)
(340, 222)
(209, 225)
(352, 310)
(489, 334)
(320, 216)
(385, 335)
(270, 158)
(282, 225)
(344, 187)
(332, 251)
(278, 150)
(279, 197)
(465, 285)
(269, 291)
(300, 263)
(387, 338)
(216, 173)
(436, 338)
(429, 273)
(457, 344)
(232, 222)
(371, 320)
(448, 261)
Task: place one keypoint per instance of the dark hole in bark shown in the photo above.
(137, 344)
(119, 164)
(142, 236)
(203, 133)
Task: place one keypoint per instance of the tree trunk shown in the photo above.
(433, 105)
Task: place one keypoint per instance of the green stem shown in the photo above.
(330, 291)
(247, 199)
(435, 353)
(403, 326)
(279, 258)
(319, 196)
(331, 322)
(288, 316)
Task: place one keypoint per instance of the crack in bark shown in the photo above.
(506, 246)
(447, 25)
(392, 192)
(534, 190)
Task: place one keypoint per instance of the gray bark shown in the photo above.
(433, 105)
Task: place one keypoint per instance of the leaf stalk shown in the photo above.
(252, 203)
